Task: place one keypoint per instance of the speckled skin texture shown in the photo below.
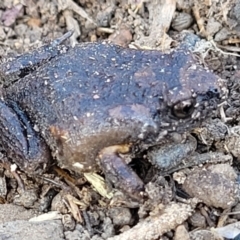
(98, 95)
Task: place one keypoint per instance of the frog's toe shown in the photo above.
(119, 173)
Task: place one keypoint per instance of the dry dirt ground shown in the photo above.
(200, 201)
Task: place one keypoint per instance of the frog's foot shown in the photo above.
(118, 172)
(12, 168)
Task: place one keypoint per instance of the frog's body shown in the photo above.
(97, 95)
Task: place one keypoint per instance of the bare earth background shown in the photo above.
(200, 202)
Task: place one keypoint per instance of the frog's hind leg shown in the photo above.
(19, 142)
(118, 172)
(18, 67)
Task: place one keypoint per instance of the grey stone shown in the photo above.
(31, 230)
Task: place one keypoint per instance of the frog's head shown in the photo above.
(194, 96)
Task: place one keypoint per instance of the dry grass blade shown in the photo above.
(71, 5)
(99, 184)
(73, 207)
(53, 215)
(161, 14)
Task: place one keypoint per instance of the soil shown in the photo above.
(195, 201)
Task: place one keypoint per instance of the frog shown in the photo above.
(87, 106)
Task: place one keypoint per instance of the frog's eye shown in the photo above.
(184, 108)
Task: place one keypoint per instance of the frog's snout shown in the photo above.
(219, 92)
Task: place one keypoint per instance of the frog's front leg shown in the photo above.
(171, 157)
(118, 172)
(19, 142)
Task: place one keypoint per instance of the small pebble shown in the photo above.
(212, 188)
